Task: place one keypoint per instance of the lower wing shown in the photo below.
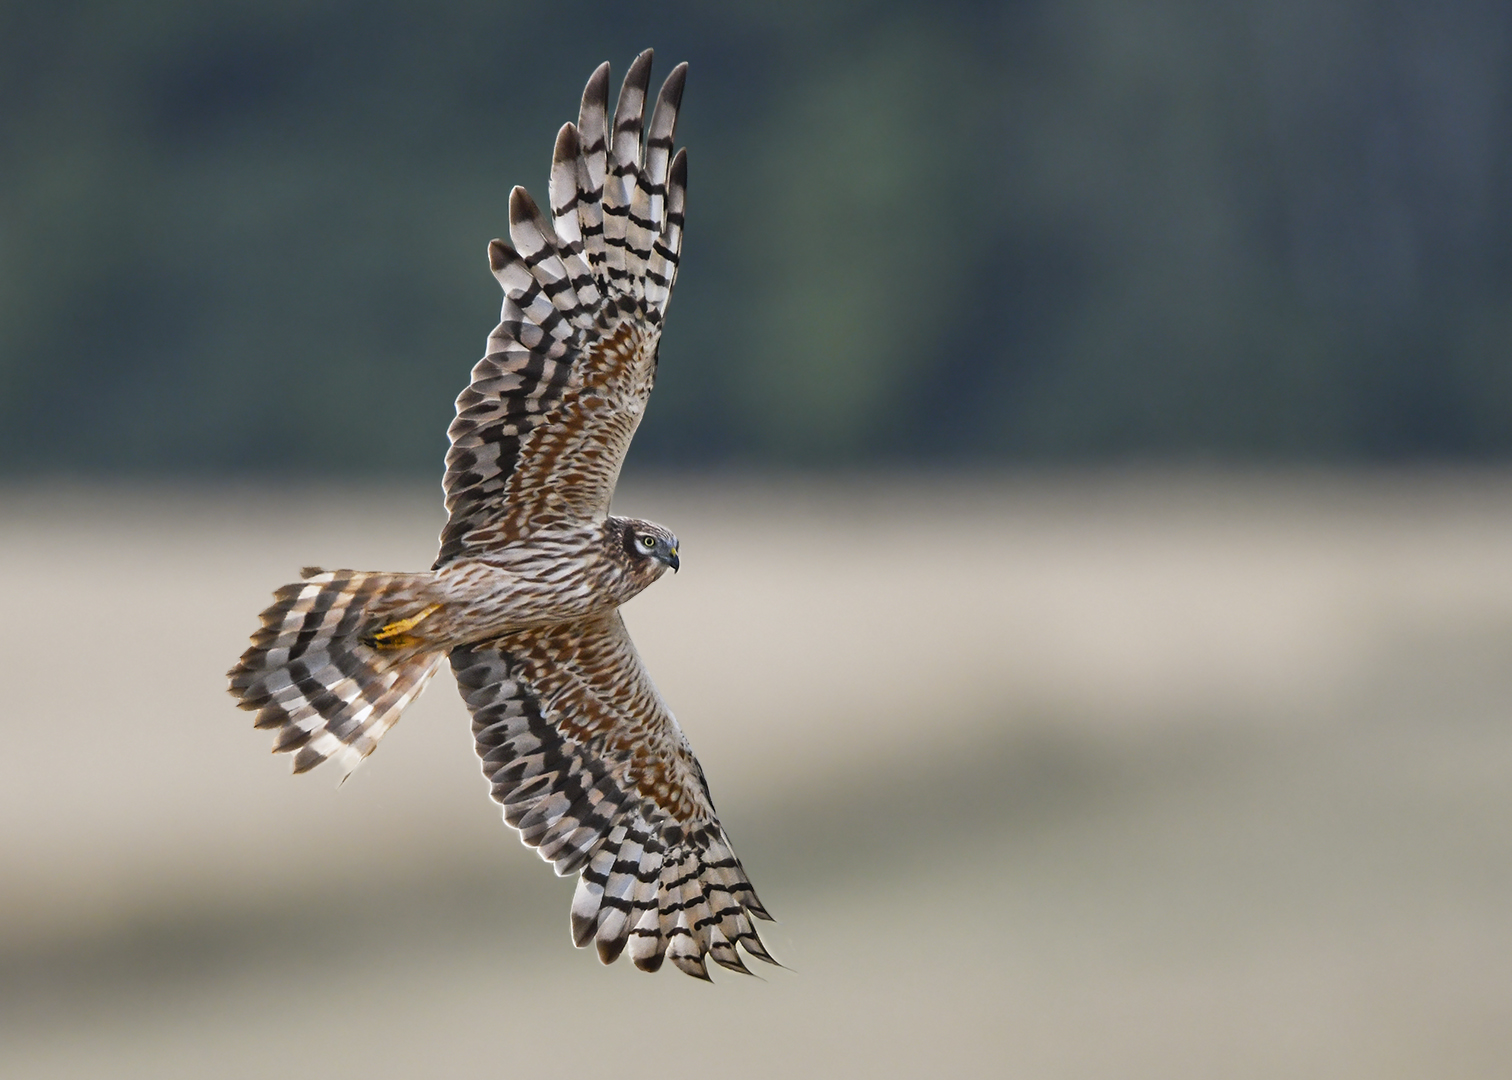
(593, 771)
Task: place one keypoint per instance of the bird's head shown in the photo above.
(651, 547)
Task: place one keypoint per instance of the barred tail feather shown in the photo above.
(338, 658)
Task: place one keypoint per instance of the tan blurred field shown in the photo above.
(1080, 776)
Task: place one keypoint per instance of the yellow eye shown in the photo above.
(648, 542)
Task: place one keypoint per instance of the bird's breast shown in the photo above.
(533, 585)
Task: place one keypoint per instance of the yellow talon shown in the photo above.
(394, 635)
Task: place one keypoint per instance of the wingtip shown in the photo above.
(672, 88)
(649, 964)
(498, 255)
(733, 962)
(753, 945)
(583, 929)
(521, 206)
(566, 148)
(639, 75)
(610, 949)
(694, 966)
(596, 91)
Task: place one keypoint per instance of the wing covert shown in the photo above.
(543, 427)
(593, 771)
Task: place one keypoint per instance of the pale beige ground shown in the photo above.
(1120, 776)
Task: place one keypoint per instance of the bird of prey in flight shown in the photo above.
(579, 748)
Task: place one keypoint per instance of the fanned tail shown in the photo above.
(338, 657)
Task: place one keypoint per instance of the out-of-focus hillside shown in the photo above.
(250, 236)
(1120, 776)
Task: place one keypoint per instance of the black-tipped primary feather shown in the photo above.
(593, 771)
(592, 166)
(647, 215)
(624, 172)
(542, 430)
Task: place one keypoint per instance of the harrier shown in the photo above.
(579, 748)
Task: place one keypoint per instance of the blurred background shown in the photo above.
(250, 236)
(1087, 425)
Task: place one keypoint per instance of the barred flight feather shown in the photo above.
(569, 367)
(624, 166)
(320, 673)
(610, 793)
(648, 210)
(592, 166)
(578, 748)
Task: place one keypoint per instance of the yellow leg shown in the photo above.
(395, 635)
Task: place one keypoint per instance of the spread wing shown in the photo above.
(542, 429)
(594, 772)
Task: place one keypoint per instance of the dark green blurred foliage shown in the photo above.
(250, 236)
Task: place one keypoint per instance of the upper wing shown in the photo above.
(592, 770)
(542, 429)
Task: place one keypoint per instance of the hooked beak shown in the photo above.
(672, 560)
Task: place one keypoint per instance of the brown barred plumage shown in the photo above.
(578, 747)
(593, 770)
